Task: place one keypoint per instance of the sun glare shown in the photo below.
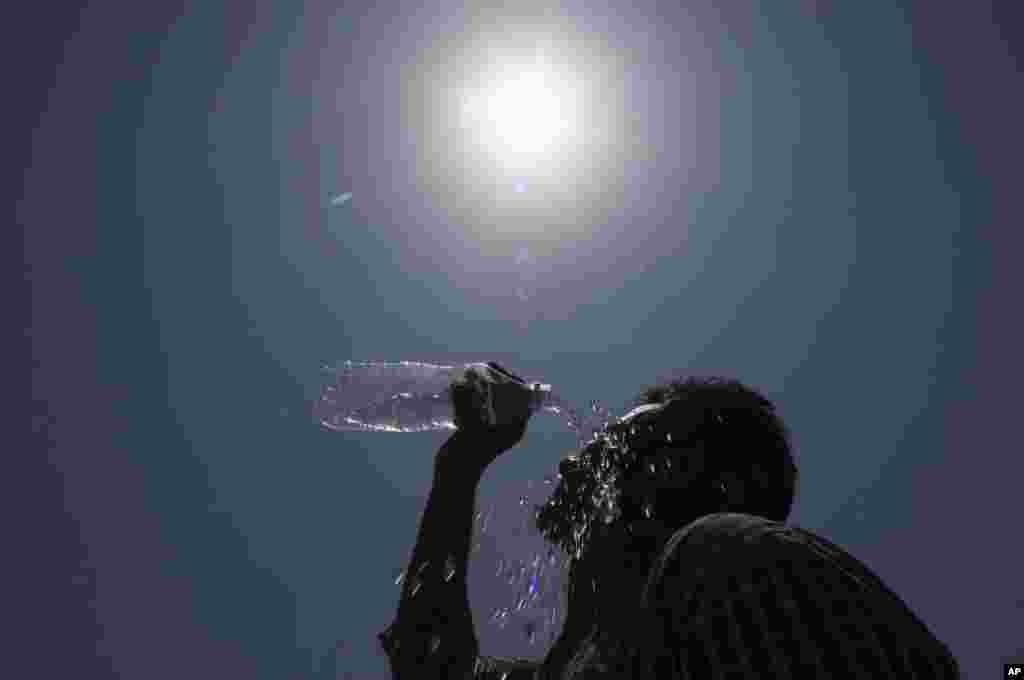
(526, 112)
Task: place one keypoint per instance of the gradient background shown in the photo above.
(820, 199)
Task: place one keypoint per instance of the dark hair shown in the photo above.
(645, 468)
(742, 436)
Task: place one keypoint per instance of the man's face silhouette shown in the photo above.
(612, 491)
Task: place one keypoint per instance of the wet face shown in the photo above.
(621, 485)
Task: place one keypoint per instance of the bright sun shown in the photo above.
(526, 112)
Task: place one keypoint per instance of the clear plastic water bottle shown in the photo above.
(403, 396)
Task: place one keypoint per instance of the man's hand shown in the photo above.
(489, 391)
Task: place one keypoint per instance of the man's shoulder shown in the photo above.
(723, 529)
(743, 544)
(786, 580)
(730, 523)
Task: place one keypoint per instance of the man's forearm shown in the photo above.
(433, 635)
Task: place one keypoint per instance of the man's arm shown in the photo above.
(432, 635)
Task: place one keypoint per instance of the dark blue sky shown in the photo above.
(815, 198)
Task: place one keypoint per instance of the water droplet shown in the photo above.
(523, 500)
(423, 567)
(501, 617)
(504, 676)
(648, 511)
(449, 568)
(414, 586)
(435, 642)
(668, 437)
(400, 578)
(501, 567)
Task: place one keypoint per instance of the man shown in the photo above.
(680, 566)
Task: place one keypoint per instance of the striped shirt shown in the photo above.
(739, 596)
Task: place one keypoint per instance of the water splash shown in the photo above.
(588, 425)
(512, 575)
(538, 600)
(501, 617)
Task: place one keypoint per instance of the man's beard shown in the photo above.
(608, 491)
(582, 493)
(594, 497)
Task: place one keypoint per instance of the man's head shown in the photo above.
(692, 447)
